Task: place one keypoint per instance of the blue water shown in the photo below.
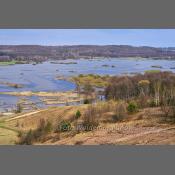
(42, 77)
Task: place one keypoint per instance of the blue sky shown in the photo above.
(135, 37)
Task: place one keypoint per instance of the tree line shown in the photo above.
(148, 89)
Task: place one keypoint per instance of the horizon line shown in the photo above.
(83, 45)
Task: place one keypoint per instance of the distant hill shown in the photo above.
(42, 53)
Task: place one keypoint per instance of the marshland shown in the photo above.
(49, 77)
(127, 101)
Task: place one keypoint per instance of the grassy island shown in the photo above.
(92, 79)
(6, 63)
(13, 62)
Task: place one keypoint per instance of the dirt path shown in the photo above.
(25, 115)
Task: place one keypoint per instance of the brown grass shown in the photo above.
(145, 121)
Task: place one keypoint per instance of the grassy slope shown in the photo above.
(32, 119)
(138, 129)
(8, 136)
(23, 122)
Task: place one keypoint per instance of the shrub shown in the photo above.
(26, 138)
(120, 112)
(143, 101)
(48, 128)
(132, 107)
(78, 114)
(35, 135)
(29, 137)
(152, 103)
(86, 101)
(108, 106)
(79, 142)
(90, 119)
(64, 126)
(166, 110)
(88, 89)
(166, 103)
(18, 108)
(20, 133)
(81, 75)
(173, 113)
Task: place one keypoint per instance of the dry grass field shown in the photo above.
(144, 127)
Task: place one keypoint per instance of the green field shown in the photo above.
(6, 63)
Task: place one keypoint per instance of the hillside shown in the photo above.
(137, 109)
(140, 128)
(42, 53)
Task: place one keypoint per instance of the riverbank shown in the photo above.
(29, 101)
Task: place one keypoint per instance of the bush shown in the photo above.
(18, 108)
(166, 104)
(120, 112)
(38, 134)
(132, 107)
(144, 101)
(64, 126)
(48, 128)
(88, 89)
(152, 103)
(86, 101)
(78, 114)
(26, 138)
(20, 133)
(90, 119)
(107, 107)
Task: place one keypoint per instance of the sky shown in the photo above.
(135, 37)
